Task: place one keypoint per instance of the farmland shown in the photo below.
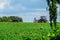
(27, 31)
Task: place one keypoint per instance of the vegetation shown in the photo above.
(11, 19)
(52, 11)
(58, 1)
(12, 28)
(28, 31)
(42, 19)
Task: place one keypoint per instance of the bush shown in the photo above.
(43, 19)
(11, 19)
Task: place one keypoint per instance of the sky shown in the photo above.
(27, 9)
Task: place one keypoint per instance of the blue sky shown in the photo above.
(27, 9)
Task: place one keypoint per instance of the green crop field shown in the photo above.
(27, 31)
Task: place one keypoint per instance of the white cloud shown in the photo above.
(21, 7)
(17, 6)
(3, 3)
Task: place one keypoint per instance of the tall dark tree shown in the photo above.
(58, 1)
(52, 11)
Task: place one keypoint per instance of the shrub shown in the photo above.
(11, 19)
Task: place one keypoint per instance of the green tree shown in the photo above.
(58, 1)
(11, 19)
(15, 18)
(19, 19)
(52, 11)
(4, 19)
(0, 19)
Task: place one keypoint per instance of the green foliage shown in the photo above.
(58, 1)
(10, 19)
(4, 19)
(52, 11)
(27, 31)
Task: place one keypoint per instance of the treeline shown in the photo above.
(11, 19)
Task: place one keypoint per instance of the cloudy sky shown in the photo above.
(27, 9)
